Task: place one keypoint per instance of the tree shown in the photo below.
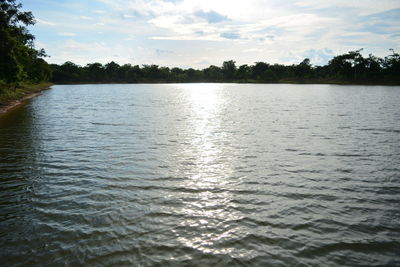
(229, 69)
(259, 69)
(303, 70)
(177, 74)
(348, 66)
(213, 74)
(67, 72)
(151, 72)
(192, 75)
(372, 68)
(243, 72)
(111, 71)
(392, 66)
(280, 71)
(95, 72)
(340, 67)
(11, 71)
(18, 57)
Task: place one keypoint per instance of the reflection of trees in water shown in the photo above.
(18, 138)
(19, 148)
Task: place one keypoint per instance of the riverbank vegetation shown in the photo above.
(23, 69)
(349, 68)
(21, 91)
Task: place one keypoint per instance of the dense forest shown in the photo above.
(23, 69)
(21, 63)
(19, 60)
(351, 68)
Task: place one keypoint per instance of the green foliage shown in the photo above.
(258, 70)
(11, 70)
(229, 70)
(351, 67)
(19, 60)
(391, 65)
(213, 73)
(8, 94)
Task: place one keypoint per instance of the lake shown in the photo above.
(202, 174)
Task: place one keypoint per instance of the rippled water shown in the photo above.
(202, 174)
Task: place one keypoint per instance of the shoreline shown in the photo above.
(237, 82)
(10, 105)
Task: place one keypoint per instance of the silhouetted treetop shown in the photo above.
(350, 67)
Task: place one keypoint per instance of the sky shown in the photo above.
(192, 33)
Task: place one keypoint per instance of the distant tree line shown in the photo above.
(351, 67)
(19, 60)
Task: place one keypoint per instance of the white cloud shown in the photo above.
(45, 22)
(85, 17)
(250, 50)
(83, 53)
(213, 31)
(363, 6)
(66, 34)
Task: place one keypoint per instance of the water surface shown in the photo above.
(202, 174)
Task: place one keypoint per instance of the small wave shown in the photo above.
(344, 170)
(347, 155)
(312, 154)
(380, 130)
(250, 157)
(107, 124)
(304, 171)
(354, 246)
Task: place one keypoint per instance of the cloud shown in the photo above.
(230, 35)
(212, 31)
(67, 34)
(271, 29)
(88, 52)
(380, 23)
(211, 16)
(363, 7)
(45, 22)
(320, 56)
(161, 52)
(251, 50)
(85, 17)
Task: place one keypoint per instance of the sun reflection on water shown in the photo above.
(207, 168)
(208, 135)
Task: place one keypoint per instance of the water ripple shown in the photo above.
(202, 174)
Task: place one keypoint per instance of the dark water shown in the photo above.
(202, 174)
